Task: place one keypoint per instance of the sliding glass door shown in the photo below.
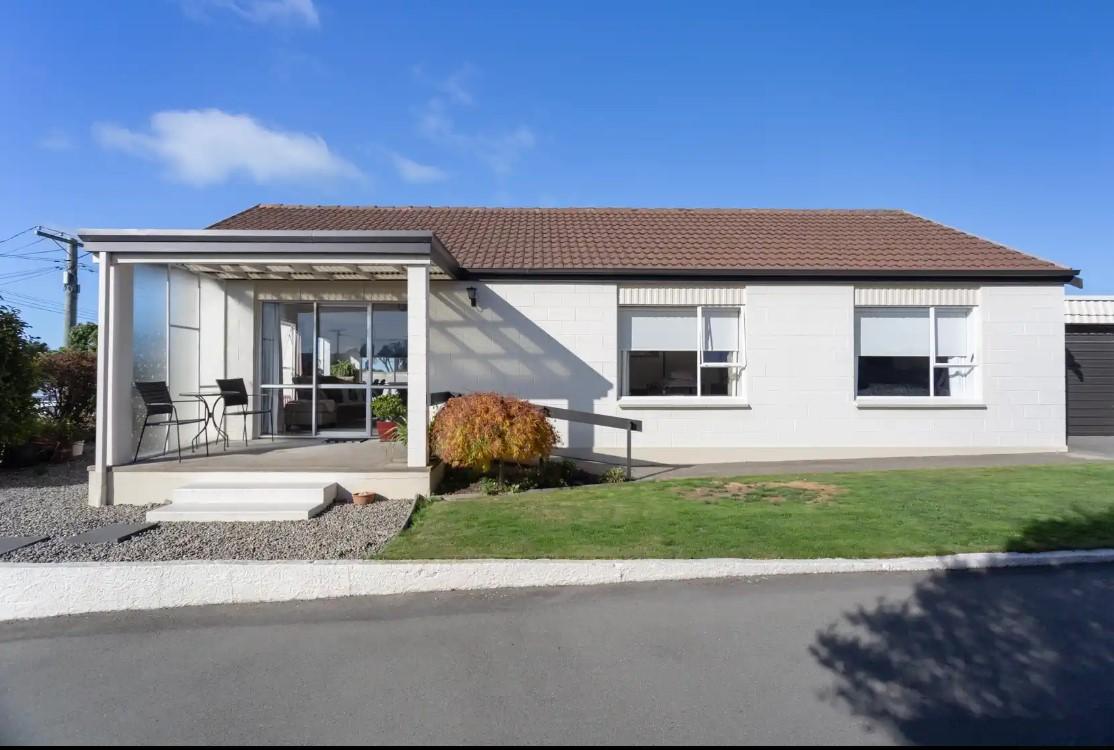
(324, 362)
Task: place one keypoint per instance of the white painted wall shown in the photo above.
(556, 343)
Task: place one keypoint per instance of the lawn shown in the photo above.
(874, 514)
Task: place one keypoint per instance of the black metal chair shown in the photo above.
(235, 393)
(158, 402)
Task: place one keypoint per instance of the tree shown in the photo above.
(18, 378)
(83, 338)
(69, 385)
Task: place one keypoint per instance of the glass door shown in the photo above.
(343, 336)
(323, 362)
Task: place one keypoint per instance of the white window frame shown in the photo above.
(974, 342)
(739, 365)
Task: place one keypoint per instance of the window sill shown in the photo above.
(682, 402)
(917, 403)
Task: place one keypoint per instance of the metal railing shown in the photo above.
(570, 415)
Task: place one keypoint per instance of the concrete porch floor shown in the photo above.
(288, 454)
(353, 466)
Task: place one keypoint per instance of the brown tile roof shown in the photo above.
(661, 239)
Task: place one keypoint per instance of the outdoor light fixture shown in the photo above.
(471, 295)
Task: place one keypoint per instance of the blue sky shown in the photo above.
(997, 118)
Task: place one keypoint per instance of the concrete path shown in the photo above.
(1020, 656)
(1080, 450)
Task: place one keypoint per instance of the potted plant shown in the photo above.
(363, 498)
(390, 411)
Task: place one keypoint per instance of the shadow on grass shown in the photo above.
(1077, 530)
(992, 657)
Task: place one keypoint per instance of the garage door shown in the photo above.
(1090, 363)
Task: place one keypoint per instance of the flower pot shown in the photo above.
(388, 431)
(78, 448)
(363, 498)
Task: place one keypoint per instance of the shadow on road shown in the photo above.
(997, 657)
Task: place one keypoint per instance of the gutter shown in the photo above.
(1061, 276)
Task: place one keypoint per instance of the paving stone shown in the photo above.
(12, 543)
(116, 532)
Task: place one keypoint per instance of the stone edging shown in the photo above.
(29, 590)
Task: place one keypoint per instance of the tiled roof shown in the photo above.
(661, 239)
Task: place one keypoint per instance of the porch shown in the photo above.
(366, 465)
(316, 324)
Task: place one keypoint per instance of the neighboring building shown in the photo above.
(1090, 364)
(733, 334)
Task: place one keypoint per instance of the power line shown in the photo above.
(25, 231)
(24, 247)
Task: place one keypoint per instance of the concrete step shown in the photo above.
(254, 491)
(246, 501)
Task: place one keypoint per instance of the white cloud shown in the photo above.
(279, 12)
(415, 173)
(56, 140)
(206, 147)
(499, 150)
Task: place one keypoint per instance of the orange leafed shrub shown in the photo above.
(477, 430)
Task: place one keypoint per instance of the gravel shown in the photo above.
(55, 503)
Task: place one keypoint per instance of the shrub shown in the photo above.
(69, 386)
(83, 338)
(343, 369)
(18, 379)
(614, 475)
(389, 407)
(556, 473)
(482, 429)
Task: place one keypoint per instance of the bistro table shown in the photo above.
(203, 395)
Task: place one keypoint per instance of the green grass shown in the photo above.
(876, 514)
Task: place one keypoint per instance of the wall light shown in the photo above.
(471, 295)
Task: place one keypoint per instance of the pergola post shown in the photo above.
(417, 322)
(114, 375)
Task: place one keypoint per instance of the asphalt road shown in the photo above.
(1022, 656)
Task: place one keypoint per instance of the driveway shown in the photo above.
(1022, 656)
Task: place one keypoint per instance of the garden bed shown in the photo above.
(52, 500)
(458, 483)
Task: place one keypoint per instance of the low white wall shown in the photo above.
(556, 343)
(45, 590)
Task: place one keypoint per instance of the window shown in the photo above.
(680, 351)
(915, 352)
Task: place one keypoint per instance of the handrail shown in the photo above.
(571, 415)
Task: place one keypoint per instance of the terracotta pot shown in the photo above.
(363, 498)
(388, 431)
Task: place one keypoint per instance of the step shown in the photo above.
(246, 501)
(255, 491)
(289, 511)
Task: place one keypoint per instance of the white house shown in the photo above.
(732, 334)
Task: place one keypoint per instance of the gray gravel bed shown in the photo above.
(55, 503)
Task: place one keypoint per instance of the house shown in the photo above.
(733, 334)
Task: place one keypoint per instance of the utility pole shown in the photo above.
(69, 278)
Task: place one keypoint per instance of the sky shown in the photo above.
(994, 117)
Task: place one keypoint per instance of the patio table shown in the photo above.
(202, 396)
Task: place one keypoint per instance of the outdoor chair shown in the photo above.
(157, 402)
(236, 394)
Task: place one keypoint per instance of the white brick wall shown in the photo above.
(556, 344)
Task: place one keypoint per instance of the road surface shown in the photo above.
(1024, 656)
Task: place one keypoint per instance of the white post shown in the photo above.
(417, 323)
(114, 376)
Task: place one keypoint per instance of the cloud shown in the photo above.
(56, 140)
(207, 147)
(415, 173)
(262, 12)
(499, 150)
